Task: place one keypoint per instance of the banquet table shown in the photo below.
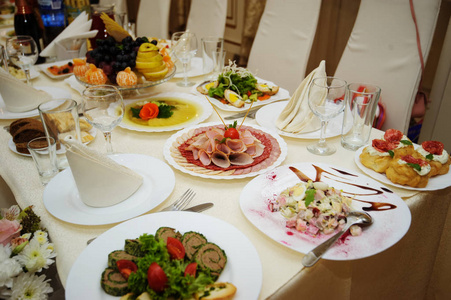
(413, 268)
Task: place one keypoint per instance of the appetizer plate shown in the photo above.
(243, 267)
(267, 116)
(168, 147)
(204, 107)
(196, 69)
(53, 91)
(389, 225)
(43, 69)
(435, 183)
(62, 200)
(62, 150)
(281, 95)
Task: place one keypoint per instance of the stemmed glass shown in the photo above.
(104, 108)
(23, 52)
(184, 47)
(324, 100)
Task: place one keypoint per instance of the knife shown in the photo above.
(199, 207)
(242, 114)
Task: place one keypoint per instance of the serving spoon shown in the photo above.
(354, 217)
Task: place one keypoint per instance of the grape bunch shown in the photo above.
(113, 57)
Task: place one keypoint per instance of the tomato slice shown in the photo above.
(126, 267)
(156, 278)
(175, 248)
(191, 269)
(232, 133)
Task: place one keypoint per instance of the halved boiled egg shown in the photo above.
(206, 85)
(234, 98)
(267, 89)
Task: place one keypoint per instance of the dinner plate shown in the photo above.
(168, 148)
(281, 95)
(243, 267)
(55, 92)
(33, 74)
(62, 200)
(43, 69)
(388, 228)
(267, 116)
(435, 183)
(202, 105)
(62, 150)
(196, 69)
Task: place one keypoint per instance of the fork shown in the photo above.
(182, 202)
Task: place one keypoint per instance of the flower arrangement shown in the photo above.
(25, 251)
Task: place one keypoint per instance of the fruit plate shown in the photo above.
(44, 69)
(143, 85)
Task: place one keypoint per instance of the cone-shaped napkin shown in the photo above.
(19, 96)
(100, 181)
(297, 116)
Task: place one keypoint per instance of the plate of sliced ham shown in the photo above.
(203, 151)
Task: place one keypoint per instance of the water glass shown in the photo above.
(184, 47)
(23, 52)
(43, 151)
(211, 47)
(61, 122)
(360, 109)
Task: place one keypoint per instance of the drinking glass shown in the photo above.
(325, 96)
(23, 52)
(184, 47)
(103, 107)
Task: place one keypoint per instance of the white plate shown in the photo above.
(172, 162)
(43, 69)
(243, 267)
(62, 150)
(267, 116)
(62, 200)
(55, 92)
(196, 69)
(435, 183)
(281, 95)
(388, 228)
(33, 74)
(206, 111)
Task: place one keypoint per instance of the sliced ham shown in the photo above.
(236, 145)
(223, 148)
(220, 159)
(240, 159)
(204, 158)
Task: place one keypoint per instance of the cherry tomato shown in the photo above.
(126, 267)
(156, 277)
(232, 133)
(175, 248)
(191, 269)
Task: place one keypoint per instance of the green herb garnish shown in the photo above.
(415, 166)
(309, 196)
(165, 111)
(391, 153)
(135, 111)
(406, 142)
(430, 156)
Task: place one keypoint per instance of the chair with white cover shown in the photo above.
(153, 19)
(207, 18)
(382, 50)
(284, 38)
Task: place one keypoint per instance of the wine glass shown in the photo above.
(324, 95)
(23, 52)
(184, 47)
(103, 107)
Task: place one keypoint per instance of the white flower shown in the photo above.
(26, 236)
(9, 267)
(41, 239)
(30, 286)
(34, 256)
(10, 214)
(40, 233)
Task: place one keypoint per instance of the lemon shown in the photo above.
(154, 76)
(149, 56)
(148, 65)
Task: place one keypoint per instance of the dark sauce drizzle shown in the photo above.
(375, 206)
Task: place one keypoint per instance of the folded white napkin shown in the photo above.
(297, 117)
(19, 96)
(79, 28)
(101, 182)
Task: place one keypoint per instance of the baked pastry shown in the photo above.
(412, 170)
(377, 156)
(404, 145)
(436, 155)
